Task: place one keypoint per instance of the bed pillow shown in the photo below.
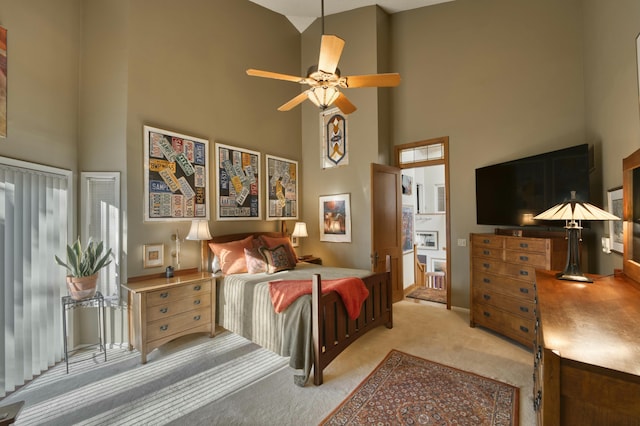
(231, 255)
(255, 261)
(273, 242)
(277, 259)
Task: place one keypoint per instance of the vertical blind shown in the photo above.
(35, 214)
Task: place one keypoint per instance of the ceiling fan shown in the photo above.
(325, 80)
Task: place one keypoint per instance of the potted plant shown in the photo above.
(83, 267)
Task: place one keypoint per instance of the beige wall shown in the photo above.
(359, 28)
(611, 82)
(186, 73)
(43, 40)
(502, 78)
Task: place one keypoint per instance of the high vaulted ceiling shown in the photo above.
(302, 13)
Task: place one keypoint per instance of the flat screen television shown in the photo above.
(512, 193)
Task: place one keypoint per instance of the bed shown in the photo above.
(315, 328)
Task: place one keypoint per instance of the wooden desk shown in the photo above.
(587, 351)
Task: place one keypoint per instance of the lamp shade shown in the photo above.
(300, 230)
(323, 96)
(199, 230)
(572, 211)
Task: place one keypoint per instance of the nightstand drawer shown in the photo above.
(171, 294)
(178, 306)
(178, 323)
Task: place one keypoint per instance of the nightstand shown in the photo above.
(163, 309)
(311, 259)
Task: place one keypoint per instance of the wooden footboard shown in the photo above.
(334, 331)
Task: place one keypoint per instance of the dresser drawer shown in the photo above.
(488, 252)
(526, 244)
(175, 324)
(182, 305)
(510, 325)
(171, 294)
(488, 294)
(537, 260)
(487, 241)
(498, 267)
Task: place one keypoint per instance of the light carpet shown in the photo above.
(228, 380)
(404, 389)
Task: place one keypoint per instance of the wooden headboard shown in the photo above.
(242, 235)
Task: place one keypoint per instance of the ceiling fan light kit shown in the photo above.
(323, 96)
(325, 78)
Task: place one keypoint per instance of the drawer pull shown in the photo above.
(486, 252)
(524, 258)
(486, 241)
(196, 318)
(524, 273)
(486, 265)
(164, 295)
(197, 288)
(486, 280)
(523, 328)
(486, 314)
(537, 401)
(164, 310)
(196, 302)
(524, 290)
(164, 327)
(524, 245)
(486, 296)
(524, 309)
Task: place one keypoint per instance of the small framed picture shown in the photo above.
(153, 255)
(428, 239)
(439, 265)
(614, 206)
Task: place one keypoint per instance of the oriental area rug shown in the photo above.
(429, 294)
(405, 389)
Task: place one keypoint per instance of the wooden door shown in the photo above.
(386, 222)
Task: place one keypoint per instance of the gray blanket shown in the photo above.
(244, 307)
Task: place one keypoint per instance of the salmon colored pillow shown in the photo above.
(231, 255)
(273, 242)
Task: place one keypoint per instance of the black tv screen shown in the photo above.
(512, 193)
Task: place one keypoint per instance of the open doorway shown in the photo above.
(425, 219)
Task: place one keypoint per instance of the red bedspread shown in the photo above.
(352, 291)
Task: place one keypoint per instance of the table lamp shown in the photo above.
(300, 230)
(573, 212)
(199, 231)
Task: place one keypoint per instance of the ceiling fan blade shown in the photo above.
(277, 76)
(344, 104)
(293, 102)
(330, 51)
(371, 80)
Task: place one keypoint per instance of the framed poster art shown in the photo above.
(3, 82)
(333, 138)
(428, 239)
(281, 188)
(335, 218)
(407, 228)
(614, 204)
(438, 265)
(176, 176)
(153, 255)
(238, 183)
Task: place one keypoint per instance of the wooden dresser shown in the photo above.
(502, 280)
(162, 309)
(587, 355)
